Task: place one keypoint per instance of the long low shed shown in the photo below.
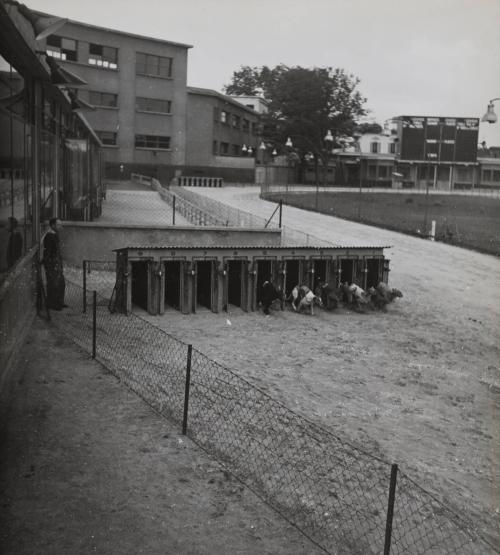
(189, 279)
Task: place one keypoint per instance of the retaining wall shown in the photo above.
(95, 241)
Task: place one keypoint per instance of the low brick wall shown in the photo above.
(96, 241)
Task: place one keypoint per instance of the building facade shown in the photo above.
(137, 86)
(222, 137)
(418, 152)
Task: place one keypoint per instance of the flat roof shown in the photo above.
(220, 96)
(252, 247)
(116, 31)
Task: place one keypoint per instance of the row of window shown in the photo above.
(142, 104)
(375, 148)
(159, 142)
(490, 175)
(235, 121)
(106, 57)
(226, 149)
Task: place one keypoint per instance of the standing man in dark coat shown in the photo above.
(15, 243)
(52, 261)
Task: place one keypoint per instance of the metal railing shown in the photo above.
(341, 497)
(238, 218)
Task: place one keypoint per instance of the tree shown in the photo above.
(304, 103)
(369, 128)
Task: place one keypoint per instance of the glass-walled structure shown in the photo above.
(49, 163)
(49, 156)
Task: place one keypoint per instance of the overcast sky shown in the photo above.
(413, 57)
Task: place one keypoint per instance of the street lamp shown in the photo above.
(262, 148)
(490, 115)
(360, 161)
(328, 143)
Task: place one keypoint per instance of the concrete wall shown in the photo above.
(91, 241)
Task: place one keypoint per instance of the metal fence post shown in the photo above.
(94, 323)
(390, 509)
(173, 210)
(186, 390)
(84, 286)
(281, 211)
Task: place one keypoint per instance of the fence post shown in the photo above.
(281, 210)
(94, 323)
(390, 509)
(173, 210)
(186, 390)
(84, 286)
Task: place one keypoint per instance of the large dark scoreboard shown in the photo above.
(439, 139)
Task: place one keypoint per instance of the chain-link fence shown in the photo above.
(238, 218)
(337, 494)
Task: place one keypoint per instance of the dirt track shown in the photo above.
(418, 385)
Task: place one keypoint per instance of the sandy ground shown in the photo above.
(87, 467)
(418, 385)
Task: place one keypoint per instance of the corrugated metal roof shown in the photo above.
(249, 247)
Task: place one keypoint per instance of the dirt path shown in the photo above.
(418, 385)
(86, 466)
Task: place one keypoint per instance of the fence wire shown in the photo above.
(238, 218)
(332, 491)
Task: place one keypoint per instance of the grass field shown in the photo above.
(466, 221)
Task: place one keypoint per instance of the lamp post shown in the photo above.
(360, 161)
(327, 142)
(262, 148)
(490, 116)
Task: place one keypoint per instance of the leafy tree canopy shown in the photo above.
(369, 128)
(304, 103)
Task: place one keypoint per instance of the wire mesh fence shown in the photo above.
(238, 218)
(334, 492)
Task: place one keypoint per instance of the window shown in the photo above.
(235, 150)
(107, 137)
(148, 64)
(224, 148)
(392, 148)
(152, 141)
(103, 56)
(143, 104)
(251, 106)
(61, 48)
(236, 121)
(372, 172)
(224, 116)
(383, 171)
(216, 114)
(374, 147)
(255, 128)
(496, 176)
(214, 147)
(246, 125)
(487, 174)
(103, 99)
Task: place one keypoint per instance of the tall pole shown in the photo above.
(360, 187)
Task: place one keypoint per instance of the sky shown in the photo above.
(413, 57)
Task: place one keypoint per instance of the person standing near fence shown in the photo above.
(52, 262)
